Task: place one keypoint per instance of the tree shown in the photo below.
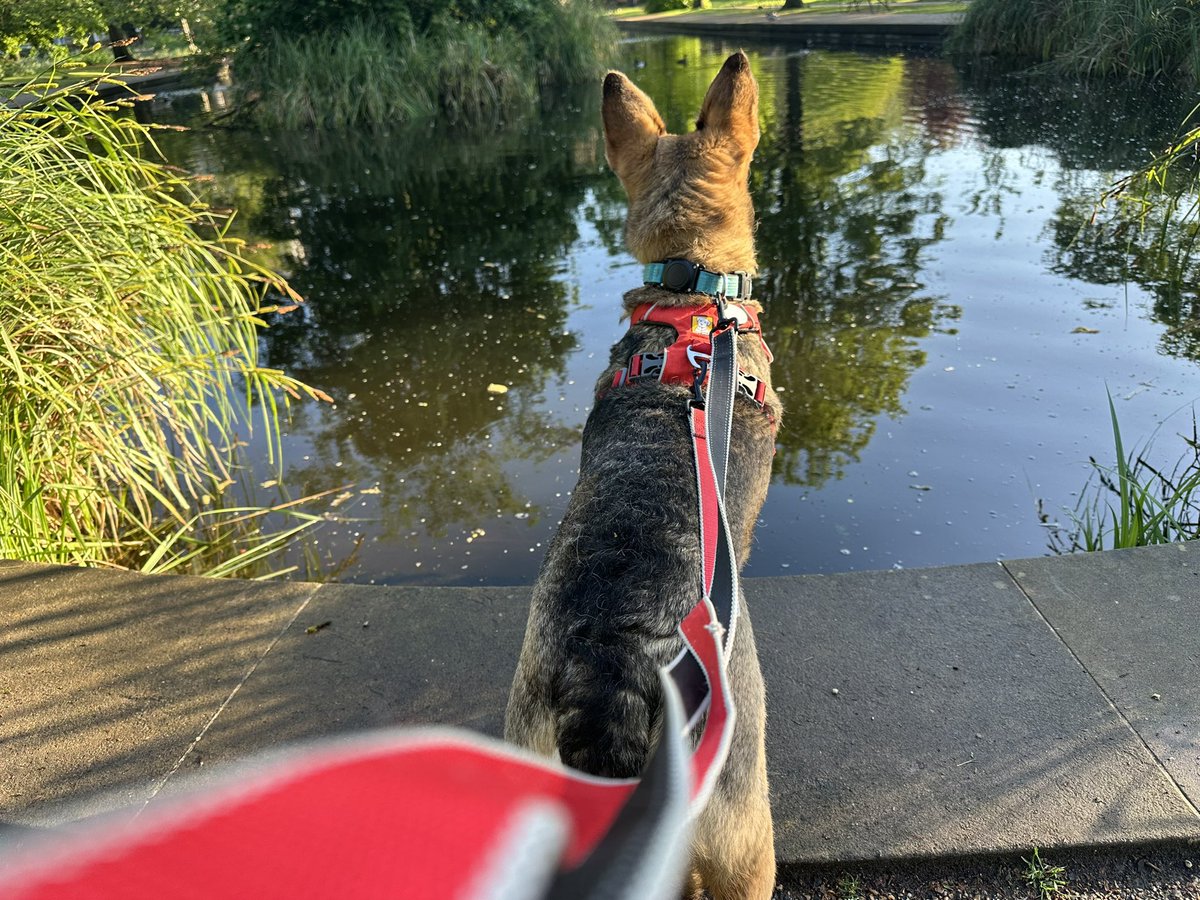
(38, 23)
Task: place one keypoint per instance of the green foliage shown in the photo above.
(129, 373)
(849, 888)
(658, 6)
(1046, 879)
(371, 71)
(1134, 503)
(38, 22)
(1153, 38)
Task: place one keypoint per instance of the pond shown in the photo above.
(944, 333)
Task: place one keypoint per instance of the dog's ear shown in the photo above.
(632, 127)
(731, 104)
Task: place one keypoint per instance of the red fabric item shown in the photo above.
(394, 815)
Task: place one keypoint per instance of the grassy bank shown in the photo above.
(1144, 38)
(129, 372)
(372, 72)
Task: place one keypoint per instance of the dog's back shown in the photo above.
(624, 567)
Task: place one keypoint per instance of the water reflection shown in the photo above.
(890, 195)
(844, 221)
(843, 218)
(1093, 130)
(434, 273)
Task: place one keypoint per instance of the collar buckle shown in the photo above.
(683, 276)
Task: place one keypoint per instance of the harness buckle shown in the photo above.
(699, 376)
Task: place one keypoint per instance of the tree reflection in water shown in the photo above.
(436, 264)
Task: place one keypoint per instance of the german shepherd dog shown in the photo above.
(622, 571)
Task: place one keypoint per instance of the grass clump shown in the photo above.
(129, 368)
(1144, 38)
(1049, 881)
(368, 70)
(1134, 503)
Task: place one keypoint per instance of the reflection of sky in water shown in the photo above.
(919, 271)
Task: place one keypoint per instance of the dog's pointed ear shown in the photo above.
(632, 126)
(731, 104)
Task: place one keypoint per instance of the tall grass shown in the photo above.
(369, 72)
(129, 371)
(1133, 503)
(1145, 38)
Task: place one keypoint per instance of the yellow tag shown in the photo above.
(702, 325)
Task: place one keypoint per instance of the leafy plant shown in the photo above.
(1049, 881)
(129, 368)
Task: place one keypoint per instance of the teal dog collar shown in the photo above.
(686, 277)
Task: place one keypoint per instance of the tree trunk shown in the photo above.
(792, 4)
(119, 42)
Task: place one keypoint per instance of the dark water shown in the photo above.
(924, 275)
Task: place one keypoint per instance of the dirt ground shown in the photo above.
(1149, 873)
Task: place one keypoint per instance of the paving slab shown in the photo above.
(1132, 617)
(961, 722)
(931, 712)
(371, 657)
(106, 678)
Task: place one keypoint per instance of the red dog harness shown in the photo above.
(686, 361)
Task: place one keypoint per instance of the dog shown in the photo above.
(621, 571)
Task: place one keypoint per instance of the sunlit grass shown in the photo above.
(370, 73)
(129, 360)
(1146, 38)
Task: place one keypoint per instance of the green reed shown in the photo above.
(1133, 503)
(1144, 38)
(129, 365)
(369, 72)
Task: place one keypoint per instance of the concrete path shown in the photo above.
(1048, 702)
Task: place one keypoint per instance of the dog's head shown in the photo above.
(688, 194)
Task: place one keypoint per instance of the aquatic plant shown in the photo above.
(1151, 38)
(129, 359)
(1134, 503)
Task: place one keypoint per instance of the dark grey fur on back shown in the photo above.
(624, 568)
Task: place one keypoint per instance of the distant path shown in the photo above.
(881, 28)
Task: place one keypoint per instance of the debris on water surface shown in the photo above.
(921, 487)
(494, 388)
(1083, 329)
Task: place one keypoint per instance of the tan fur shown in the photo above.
(688, 198)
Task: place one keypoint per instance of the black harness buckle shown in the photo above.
(699, 376)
